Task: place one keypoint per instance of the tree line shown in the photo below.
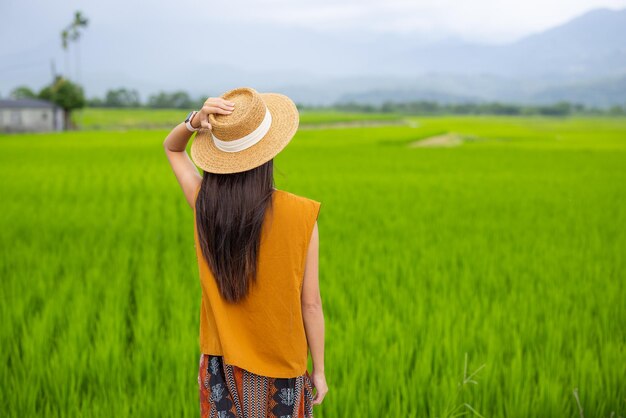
(70, 96)
(426, 107)
(125, 98)
(129, 98)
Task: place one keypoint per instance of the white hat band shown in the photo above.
(248, 140)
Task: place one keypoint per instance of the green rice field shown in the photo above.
(122, 119)
(483, 277)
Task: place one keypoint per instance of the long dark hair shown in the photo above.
(230, 209)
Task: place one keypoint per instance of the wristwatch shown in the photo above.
(188, 121)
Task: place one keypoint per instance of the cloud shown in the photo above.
(487, 20)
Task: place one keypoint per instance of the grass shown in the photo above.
(123, 119)
(505, 252)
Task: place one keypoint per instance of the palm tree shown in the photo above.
(72, 34)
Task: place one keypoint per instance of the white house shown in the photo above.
(30, 115)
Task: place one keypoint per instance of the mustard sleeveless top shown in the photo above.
(264, 333)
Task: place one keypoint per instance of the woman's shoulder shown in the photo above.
(302, 204)
(294, 197)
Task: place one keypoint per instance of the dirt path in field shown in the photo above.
(353, 124)
(449, 139)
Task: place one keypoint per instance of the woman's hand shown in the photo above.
(318, 380)
(211, 105)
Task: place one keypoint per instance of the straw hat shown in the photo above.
(259, 127)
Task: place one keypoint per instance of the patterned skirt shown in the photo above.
(228, 391)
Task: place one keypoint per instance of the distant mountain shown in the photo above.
(590, 46)
(601, 93)
(583, 59)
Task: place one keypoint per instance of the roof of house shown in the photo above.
(25, 104)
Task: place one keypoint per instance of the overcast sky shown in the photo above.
(29, 29)
(484, 20)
